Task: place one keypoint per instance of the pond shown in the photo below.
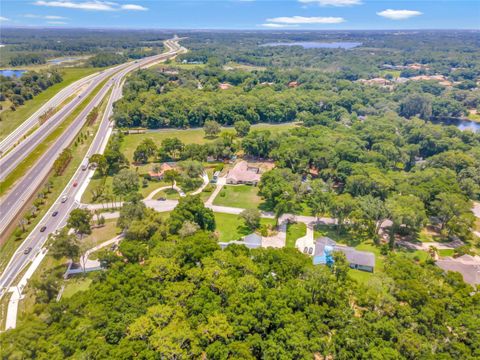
(318, 45)
(62, 60)
(12, 73)
(461, 124)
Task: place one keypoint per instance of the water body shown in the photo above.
(318, 45)
(62, 60)
(461, 124)
(12, 73)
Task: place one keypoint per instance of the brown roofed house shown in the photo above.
(242, 173)
(159, 174)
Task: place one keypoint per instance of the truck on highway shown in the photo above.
(85, 165)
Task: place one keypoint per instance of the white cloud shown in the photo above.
(48, 17)
(278, 26)
(306, 20)
(398, 14)
(133, 7)
(3, 18)
(338, 3)
(95, 5)
(56, 22)
(86, 5)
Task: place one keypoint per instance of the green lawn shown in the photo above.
(188, 136)
(12, 119)
(170, 194)
(343, 237)
(76, 284)
(241, 196)
(445, 252)
(102, 234)
(230, 227)
(96, 181)
(294, 232)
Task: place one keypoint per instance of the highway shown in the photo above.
(20, 132)
(13, 202)
(17, 154)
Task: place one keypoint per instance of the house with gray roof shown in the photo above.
(468, 266)
(360, 260)
(251, 241)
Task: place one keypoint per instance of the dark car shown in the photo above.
(27, 250)
(55, 213)
(305, 250)
(43, 228)
(161, 199)
(75, 184)
(310, 251)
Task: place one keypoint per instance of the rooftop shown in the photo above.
(353, 255)
(243, 172)
(467, 265)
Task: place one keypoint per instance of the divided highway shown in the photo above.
(26, 187)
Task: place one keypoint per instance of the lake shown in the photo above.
(318, 45)
(62, 60)
(12, 73)
(461, 124)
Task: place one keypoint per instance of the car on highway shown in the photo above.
(55, 213)
(75, 183)
(43, 228)
(64, 199)
(27, 250)
(162, 199)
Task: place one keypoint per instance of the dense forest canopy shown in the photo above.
(188, 299)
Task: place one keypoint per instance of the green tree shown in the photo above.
(144, 151)
(242, 127)
(125, 182)
(80, 220)
(455, 214)
(191, 208)
(211, 128)
(171, 176)
(100, 162)
(407, 213)
(251, 217)
(64, 245)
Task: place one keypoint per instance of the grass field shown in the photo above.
(294, 232)
(12, 119)
(74, 285)
(97, 181)
(102, 234)
(345, 238)
(230, 227)
(241, 196)
(188, 136)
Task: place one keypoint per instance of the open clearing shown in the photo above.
(240, 196)
(187, 136)
(294, 232)
(230, 227)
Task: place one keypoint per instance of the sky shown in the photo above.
(243, 14)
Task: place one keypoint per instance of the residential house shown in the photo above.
(242, 173)
(158, 175)
(468, 266)
(360, 260)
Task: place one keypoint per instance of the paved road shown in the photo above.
(72, 193)
(18, 134)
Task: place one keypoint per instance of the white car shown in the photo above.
(64, 198)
